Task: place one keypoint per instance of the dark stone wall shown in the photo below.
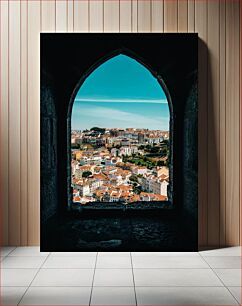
(48, 130)
(66, 60)
(190, 165)
(125, 207)
(122, 232)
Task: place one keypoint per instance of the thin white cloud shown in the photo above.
(123, 100)
(122, 118)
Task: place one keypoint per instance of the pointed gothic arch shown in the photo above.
(163, 87)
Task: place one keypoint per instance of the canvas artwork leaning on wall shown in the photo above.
(119, 142)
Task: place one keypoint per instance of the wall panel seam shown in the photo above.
(9, 225)
(207, 110)
(240, 116)
(225, 221)
(27, 71)
(219, 158)
(20, 160)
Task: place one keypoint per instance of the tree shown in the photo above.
(133, 178)
(75, 146)
(164, 151)
(86, 173)
(165, 142)
(137, 190)
(155, 150)
(160, 163)
(97, 129)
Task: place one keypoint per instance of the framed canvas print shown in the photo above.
(119, 142)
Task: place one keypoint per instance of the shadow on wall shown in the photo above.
(208, 148)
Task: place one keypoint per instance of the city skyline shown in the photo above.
(119, 128)
(115, 165)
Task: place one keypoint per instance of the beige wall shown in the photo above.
(217, 23)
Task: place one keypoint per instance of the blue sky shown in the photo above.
(120, 93)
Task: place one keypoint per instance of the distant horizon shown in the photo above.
(112, 97)
(112, 128)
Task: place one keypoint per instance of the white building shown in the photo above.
(78, 173)
(151, 183)
(140, 170)
(163, 189)
(111, 140)
(83, 188)
(125, 142)
(79, 140)
(94, 184)
(128, 150)
(96, 160)
(158, 186)
(115, 152)
(154, 140)
(114, 196)
(144, 197)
